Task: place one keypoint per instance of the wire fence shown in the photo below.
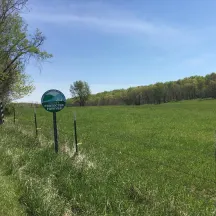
(39, 125)
(69, 137)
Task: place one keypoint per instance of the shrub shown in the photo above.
(8, 109)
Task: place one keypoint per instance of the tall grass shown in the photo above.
(148, 160)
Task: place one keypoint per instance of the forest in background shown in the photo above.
(194, 87)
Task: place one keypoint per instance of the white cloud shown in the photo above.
(105, 23)
(116, 19)
(141, 31)
(109, 19)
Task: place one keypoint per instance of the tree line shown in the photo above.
(189, 88)
(17, 48)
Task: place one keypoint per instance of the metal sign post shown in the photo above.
(55, 132)
(54, 101)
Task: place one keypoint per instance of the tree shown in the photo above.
(158, 92)
(23, 86)
(17, 48)
(80, 90)
(183, 89)
(212, 89)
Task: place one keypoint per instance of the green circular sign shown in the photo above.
(53, 100)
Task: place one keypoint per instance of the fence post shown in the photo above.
(75, 134)
(35, 121)
(14, 110)
(55, 132)
(1, 113)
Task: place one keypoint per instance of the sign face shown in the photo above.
(53, 100)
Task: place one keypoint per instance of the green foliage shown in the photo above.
(147, 160)
(8, 109)
(23, 86)
(185, 89)
(9, 200)
(80, 91)
(17, 47)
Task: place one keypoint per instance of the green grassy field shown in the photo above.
(143, 160)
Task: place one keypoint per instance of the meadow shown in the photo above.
(133, 160)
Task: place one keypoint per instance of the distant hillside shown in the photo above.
(193, 87)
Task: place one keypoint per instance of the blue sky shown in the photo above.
(115, 44)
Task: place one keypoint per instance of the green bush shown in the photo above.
(8, 109)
